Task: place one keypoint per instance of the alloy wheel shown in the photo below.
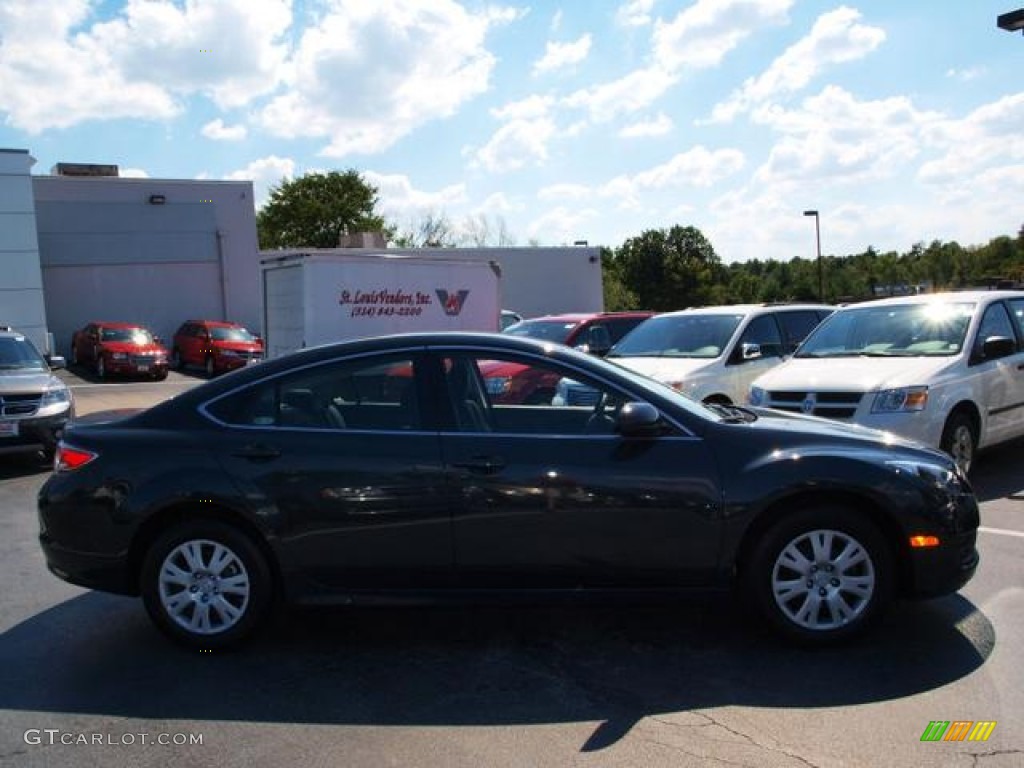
(204, 587)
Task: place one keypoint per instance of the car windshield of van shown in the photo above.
(221, 333)
(17, 353)
(935, 329)
(545, 330)
(139, 336)
(696, 335)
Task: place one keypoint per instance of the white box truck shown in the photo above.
(315, 297)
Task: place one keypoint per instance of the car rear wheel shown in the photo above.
(960, 439)
(206, 584)
(821, 575)
(176, 361)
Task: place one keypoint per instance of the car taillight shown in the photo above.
(68, 458)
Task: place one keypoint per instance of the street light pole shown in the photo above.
(817, 237)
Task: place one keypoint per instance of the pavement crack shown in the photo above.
(712, 721)
(977, 757)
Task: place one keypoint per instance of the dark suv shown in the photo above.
(34, 404)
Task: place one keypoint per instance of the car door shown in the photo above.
(1002, 379)
(549, 496)
(339, 457)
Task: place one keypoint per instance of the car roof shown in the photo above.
(579, 317)
(108, 324)
(214, 323)
(950, 296)
(746, 309)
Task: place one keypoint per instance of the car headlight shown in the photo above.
(55, 395)
(118, 355)
(902, 400)
(756, 396)
(498, 385)
(937, 475)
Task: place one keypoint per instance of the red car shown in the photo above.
(119, 348)
(509, 383)
(214, 346)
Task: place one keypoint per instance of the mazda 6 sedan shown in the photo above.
(382, 470)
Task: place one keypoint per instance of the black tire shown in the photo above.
(210, 367)
(101, 366)
(805, 600)
(160, 376)
(176, 362)
(960, 439)
(235, 600)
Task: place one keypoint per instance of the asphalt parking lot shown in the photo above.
(85, 680)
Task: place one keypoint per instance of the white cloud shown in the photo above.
(635, 13)
(701, 35)
(561, 225)
(57, 70)
(659, 126)
(834, 135)
(516, 144)
(697, 167)
(400, 199)
(498, 203)
(564, 192)
(965, 75)
(562, 55)
(264, 173)
(216, 130)
(525, 109)
(631, 93)
(836, 37)
(369, 73)
(556, 20)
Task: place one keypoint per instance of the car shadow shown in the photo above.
(23, 464)
(98, 654)
(996, 474)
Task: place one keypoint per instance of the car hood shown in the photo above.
(664, 368)
(133, 349)
(824, 431)
(854, 374)
(239, 346)
(35, 380)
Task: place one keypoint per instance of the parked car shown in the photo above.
(508, 317)
(124, 349)
(34, 404)
(594, 333)
(944, 369)
(214, 346)
(334, 476)
(710, 353)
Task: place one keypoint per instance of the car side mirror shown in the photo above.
(997, 346)
(56, 362)
(639, 420)
(750, 351)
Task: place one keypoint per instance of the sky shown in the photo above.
(899, 121)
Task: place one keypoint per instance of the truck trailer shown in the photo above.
(313, 297)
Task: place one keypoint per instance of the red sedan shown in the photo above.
(123, 349)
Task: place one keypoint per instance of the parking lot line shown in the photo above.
(1001, 532)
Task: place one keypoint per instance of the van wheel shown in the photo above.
(960, 439)
(820, 575)
(205, 584)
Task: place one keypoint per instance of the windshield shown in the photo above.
(220, 333)
(18, 353)
(695, 335)
(901, 330)
(139, 336)
(545, 330)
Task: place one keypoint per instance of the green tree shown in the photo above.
(670, 269)
(315, 210)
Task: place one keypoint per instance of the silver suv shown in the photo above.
(34, 404)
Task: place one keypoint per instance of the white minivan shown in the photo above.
(711, 354)
(944, 369)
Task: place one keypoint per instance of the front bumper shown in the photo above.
(36, 433)
(136, 367)
(945, 569)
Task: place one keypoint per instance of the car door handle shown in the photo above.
(257, 452)
(482, 465)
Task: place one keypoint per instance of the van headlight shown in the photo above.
(902, 400)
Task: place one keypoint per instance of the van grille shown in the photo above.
(19, 404)
(828, 405)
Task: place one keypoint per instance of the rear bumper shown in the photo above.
(87, 569)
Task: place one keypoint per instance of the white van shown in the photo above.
(944, 369)
(711, 353)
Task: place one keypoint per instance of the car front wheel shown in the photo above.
(821, 575)
(206, 584)
(960, 440)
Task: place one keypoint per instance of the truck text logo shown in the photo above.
(452, 303)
